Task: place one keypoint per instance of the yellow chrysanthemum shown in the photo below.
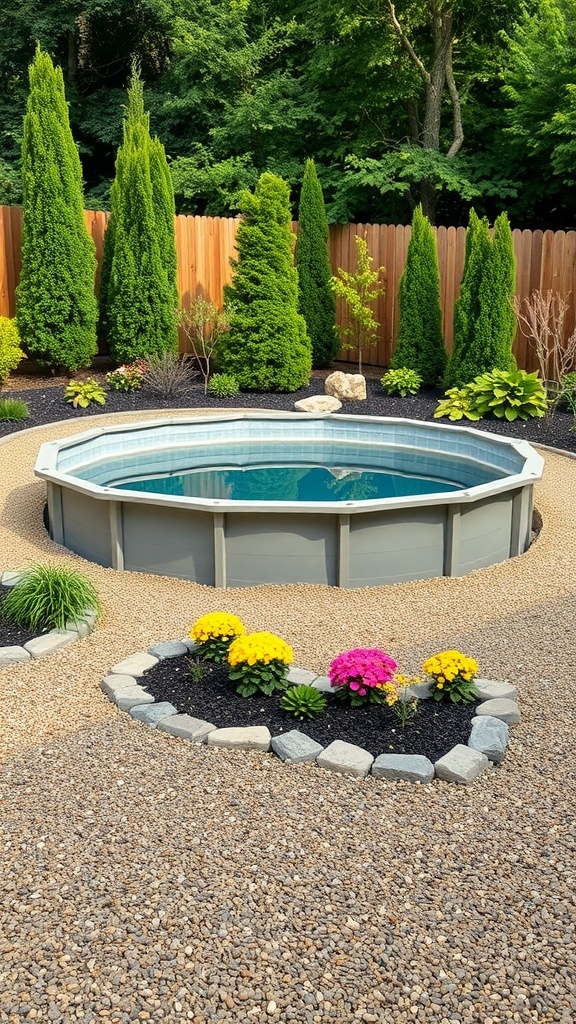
(259, 647)
(215, 626)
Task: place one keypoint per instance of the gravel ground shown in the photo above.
(144, 878)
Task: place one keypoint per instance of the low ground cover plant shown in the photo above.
(49, 596)
(83, 392)
(402, 381)
(223, 385)
(304, 702)
(128, 378)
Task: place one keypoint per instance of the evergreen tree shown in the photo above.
(317, 302)
(267, 346)
(138, 293)
(420, 344)
(56, 306)
(484, 319)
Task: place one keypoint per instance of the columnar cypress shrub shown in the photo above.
(56, 307)
(138, 295)
(484, 319)
(420, 344)
(267, 346)
(317, 301)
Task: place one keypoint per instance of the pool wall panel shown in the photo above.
(86, 526)
(291, 548)
(169, 541)
(485, 533)
(393, 547)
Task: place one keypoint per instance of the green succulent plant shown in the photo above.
(509, 394)
(83, 392)
(402, 381)
(303, 702)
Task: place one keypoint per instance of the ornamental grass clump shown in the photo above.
(258, 663)
(48, 597)
(364, 675)
(213, 634)
(451, 675)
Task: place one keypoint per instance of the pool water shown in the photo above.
(290, 483)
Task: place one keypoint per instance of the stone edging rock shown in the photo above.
(47, 643)
(486, 745)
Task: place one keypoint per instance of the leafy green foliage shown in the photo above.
(457, 404)
(304, 702)
(358, 290)
(312, 260)
(402, 381)
(48, 597)
(267, 347)
(138, 295)
(510, 395)
(461, 367)
(12, 410)
(56, 306)
(83, 392)
(10, 351)
(420, 344)
(263, 677)
(223, 385)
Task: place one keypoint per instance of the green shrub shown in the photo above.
(510, 395)
(55, 302)
(223, 385)
(568, 391)
(48, 597)
(12, 410)
(401, 381)
(312, 259)
(457, 404)
(267, 347)
(10, 351)
(303, 702)
(83, 392)
(138, 294)
(420, 343)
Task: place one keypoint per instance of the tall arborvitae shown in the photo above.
(420, 344)
(317, 302)
(484, 318)
(56, 307)
(138, 294)
(461, 367)
(267, 346)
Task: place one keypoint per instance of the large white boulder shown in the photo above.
(351, 386)
(318, 403)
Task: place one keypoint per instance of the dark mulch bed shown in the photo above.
(436, 728)
(47, 405)
(13, 636)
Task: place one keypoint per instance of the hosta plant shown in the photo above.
(451, 676)
(364, 675)
(402, 381)
(509, 394)
(213, 634)
(83, 392)
(48, 597)
(12, 409)
(127, 378)
(223, 385)
(259, 663)
(303, 702)
(457, 404)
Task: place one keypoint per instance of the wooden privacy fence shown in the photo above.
(544, 259)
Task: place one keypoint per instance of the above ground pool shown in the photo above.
(239, 499)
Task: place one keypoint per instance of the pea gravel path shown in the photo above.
(144, 878)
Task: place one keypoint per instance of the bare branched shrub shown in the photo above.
(541, 318)
(203, 324)
(168, 374)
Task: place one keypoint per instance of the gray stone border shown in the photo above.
(487, 742)
(47, 643)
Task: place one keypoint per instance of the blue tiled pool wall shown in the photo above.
(300, 433)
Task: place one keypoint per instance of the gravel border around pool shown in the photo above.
(125, 684)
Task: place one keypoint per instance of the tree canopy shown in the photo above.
(447, 103)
